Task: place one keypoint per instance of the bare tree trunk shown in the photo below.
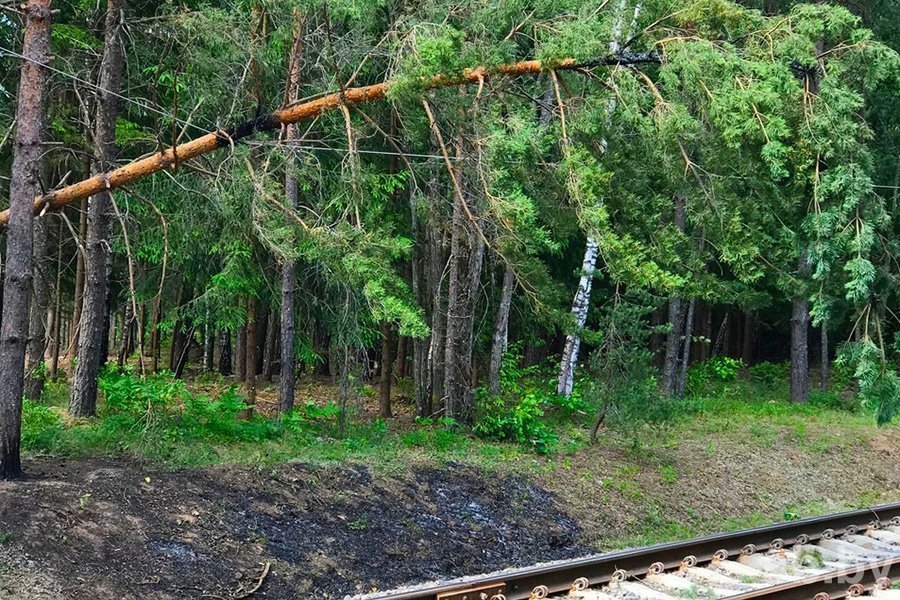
(240, 355)
(387, 362)
(466, 257)
(706, 333)
(91, 356)
(800, 344)
(251, 356)
(826, 358)
(566, 379)
(155, 341)
(437, 351)
(39, 309)
(55, 317)
(24, 185)
(400, 369)
(422, 284)
(501, 329)
(749, 335)
(262, 327)
(800, 351)
(125, 342)
(184, 353)
(271, 345)
(674, 342)
(225, 352)
(75, 329)
(686, 357)
(673, 347)
(288, 381)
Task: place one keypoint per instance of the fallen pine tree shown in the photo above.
(173, 156)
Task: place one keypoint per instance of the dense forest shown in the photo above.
(614, 197)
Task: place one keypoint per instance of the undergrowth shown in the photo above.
(162, 419)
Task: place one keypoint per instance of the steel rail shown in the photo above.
(518, 584)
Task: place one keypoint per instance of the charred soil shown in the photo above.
(109, 529)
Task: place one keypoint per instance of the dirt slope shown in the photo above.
(108, 530)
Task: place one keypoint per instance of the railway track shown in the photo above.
(846, 555)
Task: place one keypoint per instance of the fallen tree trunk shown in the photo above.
(172, 157)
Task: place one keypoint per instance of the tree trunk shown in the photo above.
(184, 353)
(125, 342)
(288, 381)
(686, 357)
(582, 301)
(387, 361)
(674, 342)
(437, 350)
(800, 351)
(800, 343)
(225, 352)
(673, 347)
(826, 358)
(91, 356)
(400, 369)
(251, 352)
(75, 329)
(209, 346)
(287, 385)
(240, 355)
(39, 309)
(501, 330)
(566, 380)
(466, 257)
(155, 341)
(300, 111)
(24, 185)
(269, 349)
(706, 348)
(423, 286)
(749, 336)
(55, 317)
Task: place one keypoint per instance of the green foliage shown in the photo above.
(879, 385)
(724, 368)
(519, 421)
(41, 427)
(769, 373)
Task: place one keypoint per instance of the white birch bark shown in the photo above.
(582, 300)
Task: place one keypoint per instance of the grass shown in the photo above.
(163, 421)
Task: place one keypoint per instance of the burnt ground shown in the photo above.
(114, 529)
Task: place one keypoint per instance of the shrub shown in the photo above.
(41, 427)
(724, 368)
(519, 422)
(769, 373)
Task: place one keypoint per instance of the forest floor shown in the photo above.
(381, 510)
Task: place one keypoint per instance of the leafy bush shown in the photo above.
(521, 422)
(834, 400)
(161, 403)
(769, 373)
(41, 427)
(721, 369)
(724, 368)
